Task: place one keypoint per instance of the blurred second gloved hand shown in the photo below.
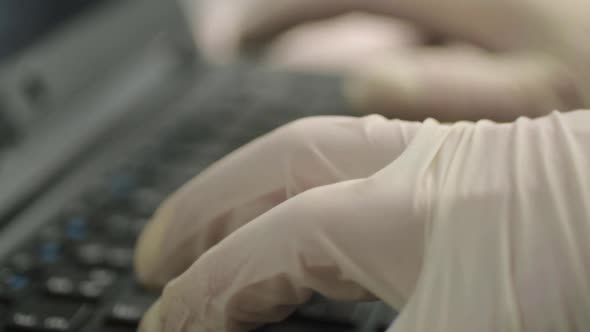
(495, 59)
(466, 227)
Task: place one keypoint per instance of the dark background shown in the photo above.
(24, 21)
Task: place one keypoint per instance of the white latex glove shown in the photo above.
(503, 59)
(466, 227)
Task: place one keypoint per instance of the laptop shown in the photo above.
(105, 109)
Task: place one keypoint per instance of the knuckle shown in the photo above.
(306, 214)
(328, 205)
(298, 145)
(311, 202)
(566, 88)
(175, 309)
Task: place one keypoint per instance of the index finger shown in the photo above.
(305, 154)
(346, 241)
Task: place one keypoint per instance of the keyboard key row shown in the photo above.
(79, 285)
(129, 309)
(47, 316)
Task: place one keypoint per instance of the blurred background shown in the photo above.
(25, 21)
(107, 108)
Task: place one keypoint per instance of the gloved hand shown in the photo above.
(498, 59)
(465, 227)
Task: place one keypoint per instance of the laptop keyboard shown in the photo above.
(75, 274)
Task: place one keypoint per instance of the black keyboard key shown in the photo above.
(122, 183)
(119, 257)
(126, 314)
(90, 253)
(13, 285)
(129, 310)
(52, 233)
(365, 316)
(75, 289)
(49, 253)
(101, 254)
(80, 285)
(61, 285)
(324, 310)
(104, 277)
(116, 223)
(90, 290)
(97, 199)
(77, 228)
(47, 316)
(298, 325)
(24, 262)
(22, 321)
(42, 255)
(120, 228)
